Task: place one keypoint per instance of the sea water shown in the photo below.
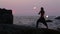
(31, 21)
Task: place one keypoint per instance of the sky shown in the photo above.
(32, 7)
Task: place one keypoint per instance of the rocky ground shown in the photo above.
(15, 29)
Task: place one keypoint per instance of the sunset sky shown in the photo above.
(32, 7)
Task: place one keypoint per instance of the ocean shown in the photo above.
(31, 21)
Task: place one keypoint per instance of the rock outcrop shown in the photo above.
(49, 21)
(58, 18)
(6, 16)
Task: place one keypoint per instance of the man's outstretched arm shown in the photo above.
(39, 13)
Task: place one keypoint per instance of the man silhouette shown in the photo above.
(41, 19)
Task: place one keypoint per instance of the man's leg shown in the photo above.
(45, 24)
(37, 23)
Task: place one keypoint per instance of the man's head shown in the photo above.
(42, 8)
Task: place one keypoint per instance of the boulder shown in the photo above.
(58, 18)
(49, 21)
(6, 16)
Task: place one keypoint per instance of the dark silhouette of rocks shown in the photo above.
(49, 21)
(58, 18)
(6, 16)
